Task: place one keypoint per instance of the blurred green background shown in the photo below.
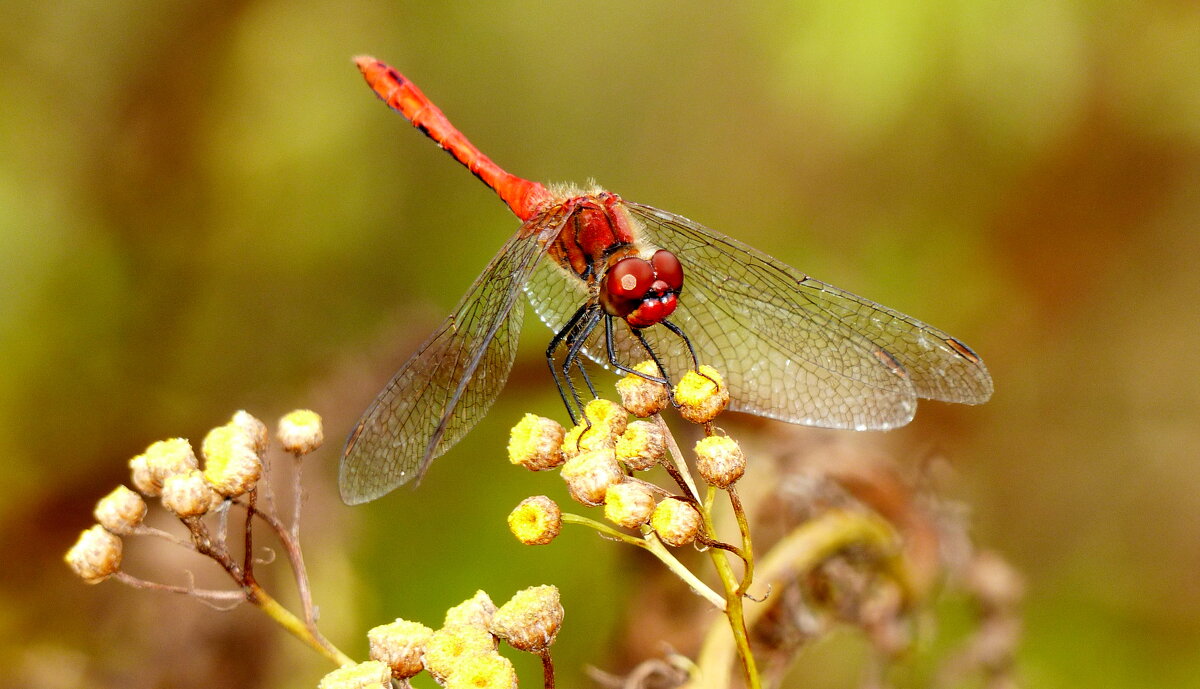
(203, 208)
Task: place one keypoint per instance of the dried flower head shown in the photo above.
(96, 555)
(720, 461)
(189, 495)
(642, 397)
(254, 429)
(536, 443)
(642, 445)
(231, 464)
(530, 620)
(369, 675)
(300, 432)
(142, 480)
(675, 521)
(121, 511)
(588, 475)
(484, 671)
(448, 646)
(400, 645)
(629, 504)
(162, 459)
(536, 521)
(701, 395)
(476, 610)
(607, 423)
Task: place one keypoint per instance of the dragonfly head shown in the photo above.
(640, 291)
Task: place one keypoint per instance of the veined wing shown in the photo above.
(451, 382)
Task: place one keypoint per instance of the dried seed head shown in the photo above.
(400, 645)
(720, 461)
(120, 511)
(369, 675)
(230, 463)
(96, 555)
(608, 421)
(476, 610)
(588, 475)
(254, 429)
(536, 443)
(642, 397)
(449, 646)
(530, 620)
(484, 671)
(189, 495)
(642, 445)
(701, 395)
(675, 521)
(300, 432)
(629, 504)
(162, 459)
(536, 521)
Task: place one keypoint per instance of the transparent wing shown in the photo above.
(450, 383)
(790, 347)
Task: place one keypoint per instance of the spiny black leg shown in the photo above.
(612, 354)
(687, 341)
(555, 341)
(575, 341)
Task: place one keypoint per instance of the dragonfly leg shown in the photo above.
(691, 350)
(612, 354)
(576, 338)
(564, 383)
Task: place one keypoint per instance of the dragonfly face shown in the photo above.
(643, 292)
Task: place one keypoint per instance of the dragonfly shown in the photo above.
(617, 280)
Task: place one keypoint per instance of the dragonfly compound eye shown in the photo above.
(667, 269)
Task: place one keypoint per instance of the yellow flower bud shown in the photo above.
(120, 511)
(484, 671)
(96, 555)
(230, 463)
(675, 521)
(255, 430)
(476, 610)
(162, 459)
(400, 645)
(608, 421)
(720, 461)
(530, 620)
(629, 504)
(588, 475)
(536, 521)
(642, 445)
(142, 479)
(448, 646)
(300, 432)
(369, 675)
(701, 395)
(642, 397)
(536, 443)
(189, 495)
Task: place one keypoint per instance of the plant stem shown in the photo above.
(294, 625)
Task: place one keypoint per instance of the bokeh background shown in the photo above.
(202, 209)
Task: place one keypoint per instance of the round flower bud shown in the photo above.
(476, 610)
(230, 463)
(608, 422)
(588, 475)
(162, 459)
(400, 645)
(449, 646)
(536, 521)
(536, 443)
(629, 504)
(254, 429)
(300, 432)
(642, 397)
(369, 675)
(96, 555)
(675, 521)
(720, 461)
(189, 495)
(701, 395)
(530, 620)
(120, 511)
(483, 671)
(642, 445)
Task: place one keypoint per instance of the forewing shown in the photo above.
(797, 349)
(450, 383)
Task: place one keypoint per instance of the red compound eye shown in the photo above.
(667, 269)
(629, 278)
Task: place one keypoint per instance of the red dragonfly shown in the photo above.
(789, 347)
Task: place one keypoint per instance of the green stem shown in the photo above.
(294, 625)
